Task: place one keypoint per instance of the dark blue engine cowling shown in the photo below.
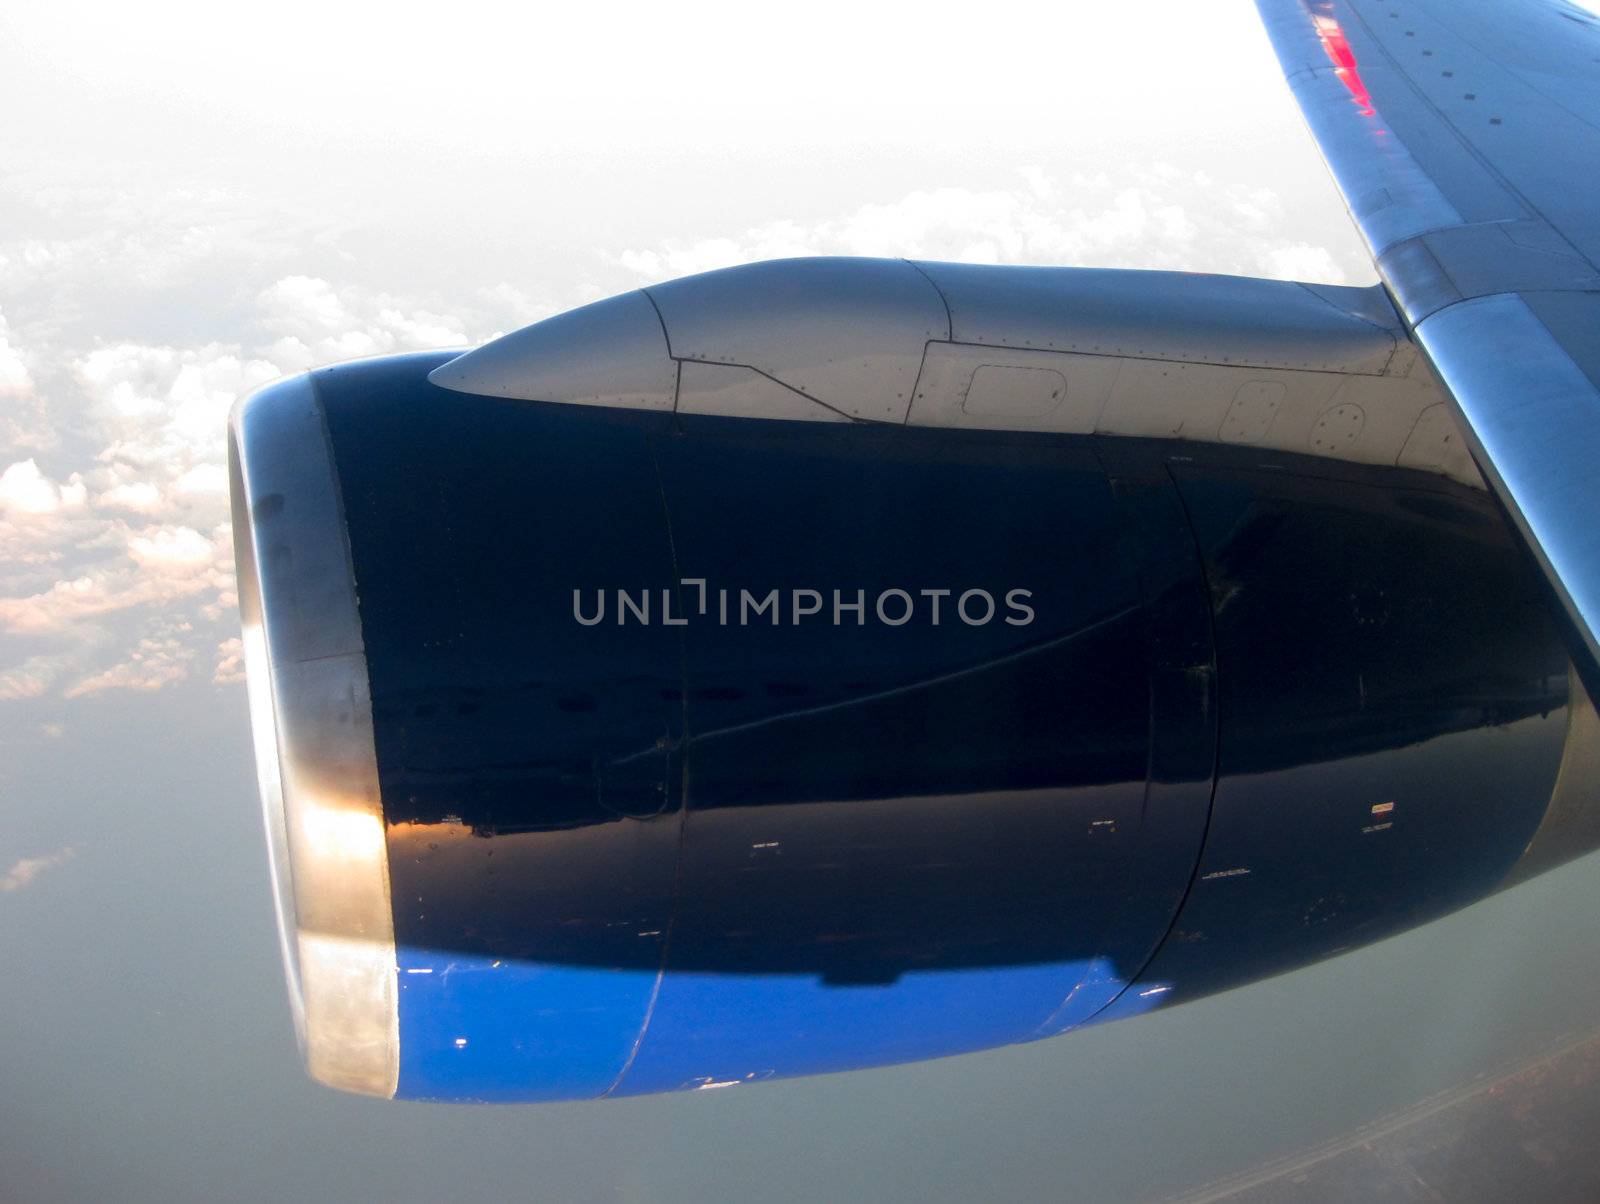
(1225, 712)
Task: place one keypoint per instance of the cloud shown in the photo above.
(66, 603)
(153, 663)
(140, 497)
(25, 871)
(162, 409)
(201, 480)
(33, 677)
(15, 379)
(1302, 261)
(155, 566)
(317, 323)
(171, 550)
(24, 421)
(26, 490)
(134, 546)
(1149, 216)
(230, 662)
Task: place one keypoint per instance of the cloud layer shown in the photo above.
(116, 561)
(1146, 216)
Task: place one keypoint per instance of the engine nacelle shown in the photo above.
(780, 672)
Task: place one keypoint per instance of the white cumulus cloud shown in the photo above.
(15, 379)
(319, 324)
(169, 550)
(26, 490)
(230, 662)
(155, 661)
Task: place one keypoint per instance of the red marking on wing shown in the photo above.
(1344, 61)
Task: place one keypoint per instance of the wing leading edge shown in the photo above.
(1465, 138)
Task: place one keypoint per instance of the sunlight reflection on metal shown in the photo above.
(264, 735)
(334, 833)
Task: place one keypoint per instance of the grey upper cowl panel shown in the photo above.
(848, 336)
(847, 333)
(1316, 369)
(1181, 316)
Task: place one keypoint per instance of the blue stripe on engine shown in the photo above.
(500, 1031)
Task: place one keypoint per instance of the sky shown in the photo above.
(202, 198)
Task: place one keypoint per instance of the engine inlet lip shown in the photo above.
(311, 720)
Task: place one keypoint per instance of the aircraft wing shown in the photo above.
(1465, 137)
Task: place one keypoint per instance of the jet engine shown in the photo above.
(828, 663)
